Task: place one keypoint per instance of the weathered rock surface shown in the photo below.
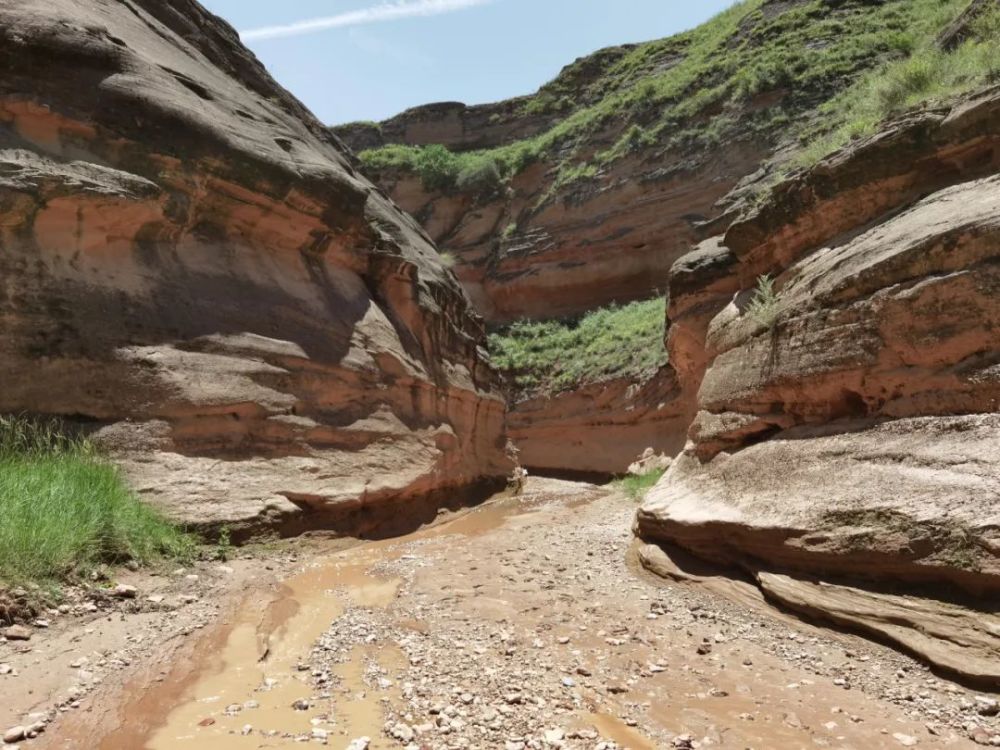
(857, 438)
(533, 253)
(191, 265)
(600, 428)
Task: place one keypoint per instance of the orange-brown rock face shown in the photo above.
(190, 263)
(600, 428)
(540, 252)
(856, 440)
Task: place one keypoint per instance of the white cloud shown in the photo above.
(389, 11)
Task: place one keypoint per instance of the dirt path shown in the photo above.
(524, 624)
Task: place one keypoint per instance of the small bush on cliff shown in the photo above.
(482, 178)
(551, 356)
(763, 307)
(65, 510)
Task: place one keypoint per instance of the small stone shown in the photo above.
(361, 743)
(301, 705)
(555, 735)
(402, 732)
(41, 623)
(14, 734)
(6, 669)
(904, 739)
(124, 591)
(17, 633)
(987, 706)
(206, 722)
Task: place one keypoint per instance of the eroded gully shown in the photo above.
(522, 624)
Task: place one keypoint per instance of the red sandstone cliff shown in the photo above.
(847, 455)
(191, 265)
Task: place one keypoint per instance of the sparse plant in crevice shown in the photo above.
(763, 307)
(448, 259)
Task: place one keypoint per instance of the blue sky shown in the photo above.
(375, 58)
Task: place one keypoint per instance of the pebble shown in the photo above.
(17, 633)
(14, 734)
(125, 591)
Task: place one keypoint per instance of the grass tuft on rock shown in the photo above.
(64, 510)
(544, 357)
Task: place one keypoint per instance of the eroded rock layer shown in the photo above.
(190, 264)
(600, 428)
(849, 435)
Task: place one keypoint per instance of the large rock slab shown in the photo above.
(851, 437)
(191, 265)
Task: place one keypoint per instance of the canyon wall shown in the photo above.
(192, 268)
(586, 192)
(846, 446)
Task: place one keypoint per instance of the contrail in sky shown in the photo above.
(389, 11)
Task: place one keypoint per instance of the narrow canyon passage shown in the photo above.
(526, 624)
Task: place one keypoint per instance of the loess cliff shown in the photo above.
(191, 268)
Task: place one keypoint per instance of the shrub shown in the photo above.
(763, 307)
(65, 510)
(438, 168)
(481, 178)
(448, 259)
(637, 486)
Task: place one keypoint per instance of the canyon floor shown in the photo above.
(524, 623)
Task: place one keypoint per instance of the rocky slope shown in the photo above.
(192, 268)
(846, 444)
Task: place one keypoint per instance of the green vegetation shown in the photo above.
(763, 307)
(854, 60)
(64, 510)
(636, 486)
(926, 74)
(552, 356)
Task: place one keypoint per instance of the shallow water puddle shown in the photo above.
(257, 673)
(241, 693)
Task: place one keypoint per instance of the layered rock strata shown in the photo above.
(847, 439)
(192, 267)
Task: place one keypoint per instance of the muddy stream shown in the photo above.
(259, 659)
(524, 624)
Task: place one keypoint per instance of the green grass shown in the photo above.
(635, 486)
(690, 92)
(927, 75)
(64, 510)
(553, 356)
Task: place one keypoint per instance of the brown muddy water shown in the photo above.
(258, 659)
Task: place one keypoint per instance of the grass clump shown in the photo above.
(64, 510)
(552, 356)
(635, 486)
